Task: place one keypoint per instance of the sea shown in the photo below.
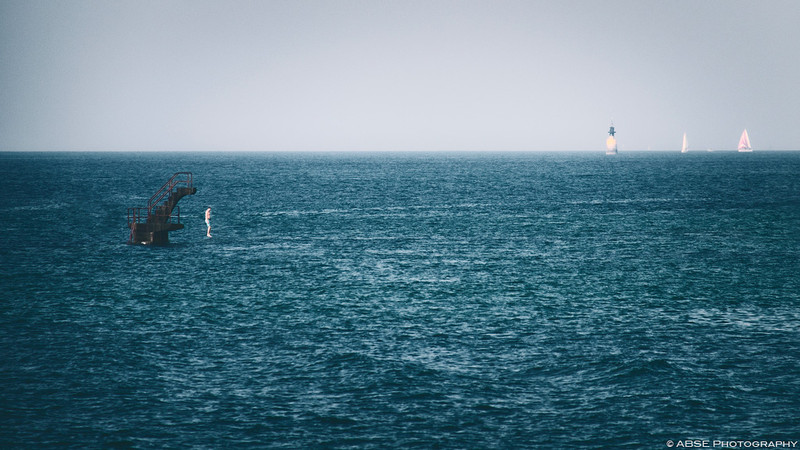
(402, 300)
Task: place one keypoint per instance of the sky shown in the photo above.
(429, 75)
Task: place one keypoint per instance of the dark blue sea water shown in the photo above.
(543, 300)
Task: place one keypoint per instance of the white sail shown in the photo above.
(744, 143)
(685, 147)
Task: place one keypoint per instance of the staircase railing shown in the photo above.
(180, 178)
(139, 215)
(135, 216)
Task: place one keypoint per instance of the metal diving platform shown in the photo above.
(149, 225)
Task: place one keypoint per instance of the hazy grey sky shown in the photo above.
(397, 75)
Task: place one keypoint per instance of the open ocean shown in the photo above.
(520, 300)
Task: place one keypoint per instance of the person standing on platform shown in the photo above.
(208, 222)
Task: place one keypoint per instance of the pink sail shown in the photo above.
(744, 143)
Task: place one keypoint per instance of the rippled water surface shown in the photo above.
(547, 300)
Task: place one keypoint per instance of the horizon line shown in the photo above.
(677, 150)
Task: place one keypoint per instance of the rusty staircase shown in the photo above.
(149, 225)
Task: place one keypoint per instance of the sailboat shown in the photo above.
(685, 147)
(611, 142)
(744, 143)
